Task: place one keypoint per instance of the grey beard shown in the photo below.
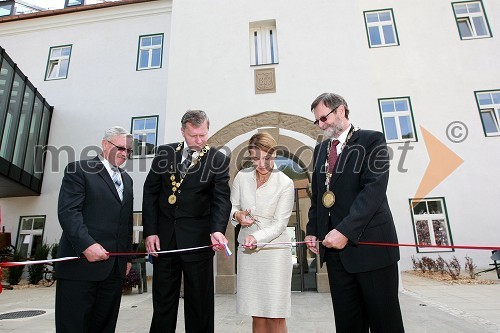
(328, 133)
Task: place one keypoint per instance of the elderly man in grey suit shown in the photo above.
(95, 212)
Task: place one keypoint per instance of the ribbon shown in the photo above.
(111, 254)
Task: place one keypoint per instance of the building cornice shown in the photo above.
(68, 10)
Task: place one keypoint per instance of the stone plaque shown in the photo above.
(265, 81)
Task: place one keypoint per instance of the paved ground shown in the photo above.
(427, 306)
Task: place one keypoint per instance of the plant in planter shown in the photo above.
(35, 272)
(131, 280)
(15, 272)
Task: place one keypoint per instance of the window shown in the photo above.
(397, 119)
(30, 234)
(71, 3)
(6, 8)
(471, 20)
(263, 43)
(145, 132)
(150, 52)
(58, 65)
(489, 109)
(381, 28)
(138, 228)
(430, 224)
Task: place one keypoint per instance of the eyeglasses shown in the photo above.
(325, 118)
(120, 148)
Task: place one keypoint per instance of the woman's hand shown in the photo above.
(250, 242)
(244, 218)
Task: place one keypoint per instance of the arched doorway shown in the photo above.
(296, 137)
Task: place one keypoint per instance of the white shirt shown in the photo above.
(342, 138)
(108, 167)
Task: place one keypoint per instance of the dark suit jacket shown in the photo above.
(361, 211)
(202, 207)
(91, 211)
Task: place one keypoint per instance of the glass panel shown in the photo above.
(370, 18)
(38, 223)
(5, 10)
(156, 40)
(391, 132)
(388, 34)
(435, 207)
(290, 168)
(420, 208)
(440, 232)
(484, 99)
(496, 97)
(42, 141)
(63, 68)
(150, 123)
(66, 51)
(6, 76)
(139, 124)
(22, 132)
(37, 241)
(52, 72)
(406, 127)
(460, 9)
(401, 105)
(26, 224)
(387, 106)
(474, 8)
(151, 138)
(24, 241)
(36, 118)
(146, 41)
(374, 36)
(12, 122)
(156, 58)
(144, 59)
(465, 30)
(479, 26)
(384, 16)
(423, 234)
(489, 122)
(55, 53)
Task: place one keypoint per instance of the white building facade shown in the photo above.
(422, 72)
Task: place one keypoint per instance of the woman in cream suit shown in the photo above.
(262, 199)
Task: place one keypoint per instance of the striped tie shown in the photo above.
(118, 182)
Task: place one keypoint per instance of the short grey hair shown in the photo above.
(195, 118)
(110, 133)
(331, 101)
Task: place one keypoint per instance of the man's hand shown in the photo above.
(153, 244)
(217, 239)
(335, 240)
(311, 243)
(129, 267)
(96, 252)
(250, 242)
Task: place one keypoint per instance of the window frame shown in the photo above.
(397, 114)
(430, 218)
(137, 229)
(30, 251)
(495, 108)
(150, 51)
(467, 18)
(157, 118)
(394, 28)
(50, 61)
(263, 42)
(10, 3)
(80, 3)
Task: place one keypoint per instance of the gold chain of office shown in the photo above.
(176, 184)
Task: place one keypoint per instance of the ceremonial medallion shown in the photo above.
(328, 199)
(172, 199)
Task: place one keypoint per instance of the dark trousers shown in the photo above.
(364, 301)
(198, 294)
(88, 306)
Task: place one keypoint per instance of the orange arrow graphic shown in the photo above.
(442, 163)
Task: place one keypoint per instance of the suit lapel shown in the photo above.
(103, 173)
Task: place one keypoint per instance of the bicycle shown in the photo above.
(48, 275)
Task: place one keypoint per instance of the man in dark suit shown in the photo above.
(95, 212)
(349, 205)
(186, 204)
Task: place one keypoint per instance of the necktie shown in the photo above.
(117, 181)
(187, 163)
(332, 156)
